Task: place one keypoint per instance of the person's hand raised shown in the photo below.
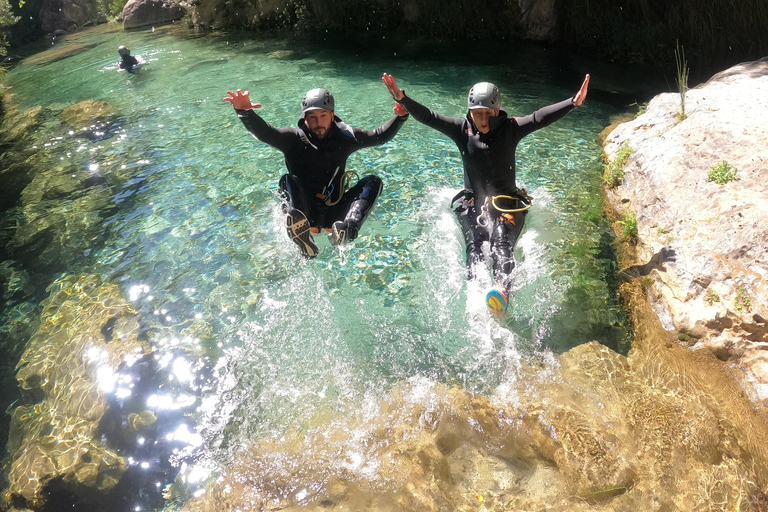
(394, 90)
(240, 100)
(580, 96)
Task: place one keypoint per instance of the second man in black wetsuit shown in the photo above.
(487, 138)
(316, 157)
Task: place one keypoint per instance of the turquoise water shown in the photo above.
(250, 339)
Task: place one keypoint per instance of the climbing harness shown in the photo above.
(484, 219)
(346, 180)
(327, 193)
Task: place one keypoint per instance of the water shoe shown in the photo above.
(297, 225)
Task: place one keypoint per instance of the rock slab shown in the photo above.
(716, 292)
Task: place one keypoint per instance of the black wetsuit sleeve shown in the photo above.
(280, 138)
(450, 126)
(543, 117)
(381, 135)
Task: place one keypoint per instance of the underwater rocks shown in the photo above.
(96, 120)
(87, 332)
(594, 431)
(715, 293)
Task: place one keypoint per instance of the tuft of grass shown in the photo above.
(682, 79)
(722, 173)
(711, 297)
(630, 226)
(641, 108)
(614, 173)
(742, 302)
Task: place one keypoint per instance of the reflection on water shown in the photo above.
(219, 351)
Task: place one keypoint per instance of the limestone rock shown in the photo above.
(64, 376)
(539, 18)
(142, 13)
(69, 15)
(717, 289)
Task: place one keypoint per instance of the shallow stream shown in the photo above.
(171, 200)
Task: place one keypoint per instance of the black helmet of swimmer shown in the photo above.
(484, 95)
(122, 50)
(317, 99)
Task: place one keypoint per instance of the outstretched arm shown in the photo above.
(450, 126)
(240, 100)
(580, 96)
(281, 138)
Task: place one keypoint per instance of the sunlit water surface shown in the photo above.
(250, 339)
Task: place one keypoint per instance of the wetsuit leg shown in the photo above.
(355, 207)
(503, 240)
(293, 195)
(474, 234)
(295, 207)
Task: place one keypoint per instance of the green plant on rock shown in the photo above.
(682, 79)
(722, 173)
(630, 226)
(614, 173)
(742, 302)
(711, 297)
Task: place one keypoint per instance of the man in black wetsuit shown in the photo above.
(127, 61)
(315, 188)
(487, 139)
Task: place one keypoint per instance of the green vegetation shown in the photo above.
(7, 19)
(722, 173)
(682, 79)
(112, 8)
(614, 173)
(743, 302)
(711, 297)
(630, 226)
(640, 108)
(685, 337)
(646, 283)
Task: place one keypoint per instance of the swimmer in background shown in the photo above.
(127, 61)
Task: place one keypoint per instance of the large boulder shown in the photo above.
(69, 14)
(142, 13)
(715, 293)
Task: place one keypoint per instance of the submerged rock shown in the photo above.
(64, 376)
(597, 431)
(716, 291)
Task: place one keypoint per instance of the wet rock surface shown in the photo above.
(598, 431)
(142, 13)
(715, 293)
(64, 377)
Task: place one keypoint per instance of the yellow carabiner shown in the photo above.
(515, 210)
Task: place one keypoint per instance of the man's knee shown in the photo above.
(370, 187)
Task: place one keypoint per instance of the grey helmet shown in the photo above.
(122, 50)
(484, 95)
(317, 99)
